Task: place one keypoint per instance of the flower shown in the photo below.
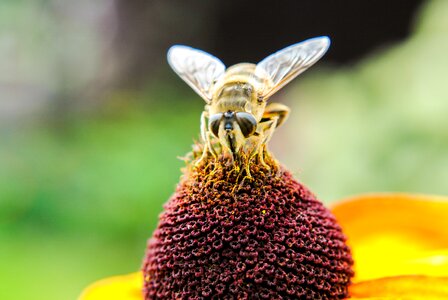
(240, 226)
(224, 235)
(399, 245)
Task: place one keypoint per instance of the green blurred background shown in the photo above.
(92, 120)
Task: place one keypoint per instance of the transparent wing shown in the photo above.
(284, 65)
(197, 68)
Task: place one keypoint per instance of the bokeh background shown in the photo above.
(92, 119)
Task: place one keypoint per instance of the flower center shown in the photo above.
(268, 237)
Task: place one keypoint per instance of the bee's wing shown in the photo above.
(284, 65)
(197, 68)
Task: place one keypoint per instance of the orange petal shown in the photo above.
(126, 287)
(402, 287)
(396, 234)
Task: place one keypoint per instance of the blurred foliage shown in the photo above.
(78, 199)
(380, 125)
(80, 196)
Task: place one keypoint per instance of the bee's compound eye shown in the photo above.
(247, 123)
(213, 123)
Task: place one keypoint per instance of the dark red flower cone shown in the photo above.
(225, 235)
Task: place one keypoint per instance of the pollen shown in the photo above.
(267, 237)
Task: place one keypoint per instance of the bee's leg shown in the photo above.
(268, 128)
(210, 147)
(274, 115)
(204, 117)
(277, 110)
(205, 135)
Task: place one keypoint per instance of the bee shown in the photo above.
(237, 115)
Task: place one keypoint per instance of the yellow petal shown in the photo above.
(402, 287)
(396, 234)
(126, 287)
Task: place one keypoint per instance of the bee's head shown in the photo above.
(230, 119)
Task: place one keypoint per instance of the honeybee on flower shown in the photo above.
(237, 115)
